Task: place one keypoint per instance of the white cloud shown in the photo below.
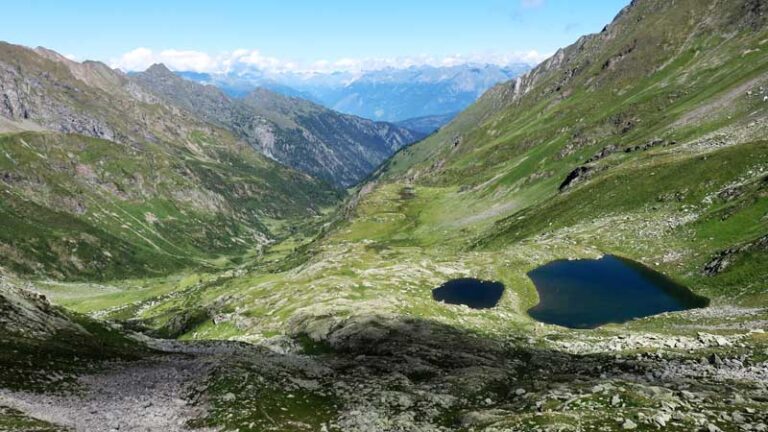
(255, 58)
(188, 60)
(242, 59)
(137, 59)
(142, 58)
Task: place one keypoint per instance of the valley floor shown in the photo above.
(339, 332)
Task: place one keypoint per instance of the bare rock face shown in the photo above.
(26, 314)
(576, 176)
(726, 258)
(43, 88)
(24, 97)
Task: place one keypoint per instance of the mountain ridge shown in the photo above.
(389, 94)
(107, 180)
(338, 148)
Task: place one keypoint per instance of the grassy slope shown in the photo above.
(481, 196)
(696, 80)
(83, 207)
(166, 191)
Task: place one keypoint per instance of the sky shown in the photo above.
(303, 35)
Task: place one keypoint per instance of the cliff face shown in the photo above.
(43, 88)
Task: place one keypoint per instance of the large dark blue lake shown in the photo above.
(588, 293)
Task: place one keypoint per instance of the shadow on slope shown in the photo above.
(394, 373)
(404, 373)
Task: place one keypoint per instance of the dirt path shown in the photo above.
(145, 395)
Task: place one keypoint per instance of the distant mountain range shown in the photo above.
(387, 95)
(427, 124)
(339, 148)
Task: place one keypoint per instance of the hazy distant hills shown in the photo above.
(427, 124)
(388, 94)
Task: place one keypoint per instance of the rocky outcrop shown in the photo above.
(603, 153)
(649, 145)
(724, 259)
(26, 314)
(22, 97)
(578, 175)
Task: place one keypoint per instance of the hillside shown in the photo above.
(340, 149)
(645, 141)
(101, 179)
(623, 126)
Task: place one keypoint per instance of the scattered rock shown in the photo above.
(628, 425)
(711, 427)
(648, 145)
(576, 176)
(605, 152)
(725, 258)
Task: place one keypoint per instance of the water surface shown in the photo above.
(588, 293)
(475, 293)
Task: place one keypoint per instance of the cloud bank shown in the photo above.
(189, 60)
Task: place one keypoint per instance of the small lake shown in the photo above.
(588, 293)
(475, 293)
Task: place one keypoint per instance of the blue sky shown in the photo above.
(303, 34)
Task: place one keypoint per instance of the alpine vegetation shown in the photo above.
(581, 245)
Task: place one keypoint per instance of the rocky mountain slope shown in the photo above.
(101, 178)
(645, 141)
(341, 149)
